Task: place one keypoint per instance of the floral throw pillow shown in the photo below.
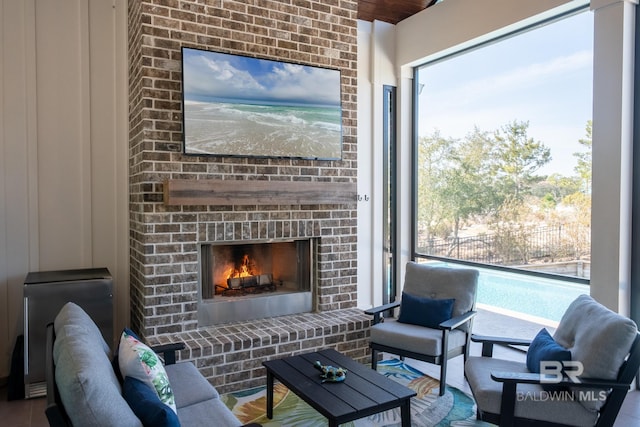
(138, 361)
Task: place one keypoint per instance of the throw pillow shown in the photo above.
(137, 360)
(544, 348)
(145, 403)
(425, 311)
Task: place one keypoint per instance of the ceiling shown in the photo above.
(392, 11)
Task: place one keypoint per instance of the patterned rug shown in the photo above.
(455, 408)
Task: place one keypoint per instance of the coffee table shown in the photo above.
(363, 392)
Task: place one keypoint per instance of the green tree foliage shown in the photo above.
(517, 158)
(483, 174)
(583, 169)
(454, 182)
(493, 180)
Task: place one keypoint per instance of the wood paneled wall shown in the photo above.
(63, 145)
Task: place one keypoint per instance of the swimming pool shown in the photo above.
(535, 296)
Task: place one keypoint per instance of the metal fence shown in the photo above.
(515, 245)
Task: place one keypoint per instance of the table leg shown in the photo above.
(269, 395)
(405, 413)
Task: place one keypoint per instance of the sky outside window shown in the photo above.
(543, 76)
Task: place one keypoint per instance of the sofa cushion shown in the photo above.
(188, 385)
(145, 403)
(199, 414)
(137, 360)
(424, 311)
(598, 338)
(89, 389)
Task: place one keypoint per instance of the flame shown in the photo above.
(243, 270)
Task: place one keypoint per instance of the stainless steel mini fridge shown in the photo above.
(45, 293)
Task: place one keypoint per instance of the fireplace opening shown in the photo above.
(251, 280)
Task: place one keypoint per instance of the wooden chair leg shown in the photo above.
(374, 359)
(443, 377)
(443, 363)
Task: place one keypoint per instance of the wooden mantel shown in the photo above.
(230, 192)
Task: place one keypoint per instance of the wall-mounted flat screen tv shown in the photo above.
(236, 105)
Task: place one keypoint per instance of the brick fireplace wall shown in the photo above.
(164, 239)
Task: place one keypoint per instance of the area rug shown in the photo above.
(428, 409)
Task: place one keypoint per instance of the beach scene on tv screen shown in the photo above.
(241, 106)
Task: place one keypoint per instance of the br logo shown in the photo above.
(552, 371)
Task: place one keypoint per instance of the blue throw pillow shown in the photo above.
(425, 311)
(544, 348)
(146, 404)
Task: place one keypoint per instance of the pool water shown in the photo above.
(535, 296)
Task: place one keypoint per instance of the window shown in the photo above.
(503, 152)
(389, 194)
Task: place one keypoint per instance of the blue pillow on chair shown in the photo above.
(425, 311)
(544, 348)
(147, 406)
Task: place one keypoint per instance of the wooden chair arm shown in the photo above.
(376, 312)
(456, 322)
(489, 341)
(168, 351)
(531, 378)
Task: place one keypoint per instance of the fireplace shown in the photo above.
(250, 280)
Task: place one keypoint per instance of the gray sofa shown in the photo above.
(83, 389)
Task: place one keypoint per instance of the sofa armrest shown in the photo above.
(168, 351)
(56, 415)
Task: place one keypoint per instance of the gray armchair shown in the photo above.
(438, 342)
(604, 344)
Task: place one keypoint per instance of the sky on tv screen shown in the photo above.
(225, 76)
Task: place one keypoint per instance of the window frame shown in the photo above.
(415, 255)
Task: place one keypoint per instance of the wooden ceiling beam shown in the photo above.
(392, 11)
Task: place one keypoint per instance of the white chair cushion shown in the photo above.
(418, 339)
(598, 338)
(531, 400)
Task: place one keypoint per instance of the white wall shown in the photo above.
(457, 24)
(612, 136)
(63, 121)
(376, 68)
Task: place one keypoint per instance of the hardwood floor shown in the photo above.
(30, 413)
(22, 413)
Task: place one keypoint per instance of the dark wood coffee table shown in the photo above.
(364, 391)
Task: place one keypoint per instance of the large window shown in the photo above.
(503, 152)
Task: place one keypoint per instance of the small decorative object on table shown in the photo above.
(331, 373)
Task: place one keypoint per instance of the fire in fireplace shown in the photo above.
(243, 276)
(250, 280)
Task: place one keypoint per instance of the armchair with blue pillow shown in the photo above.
(577, 377)
(435, 319)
